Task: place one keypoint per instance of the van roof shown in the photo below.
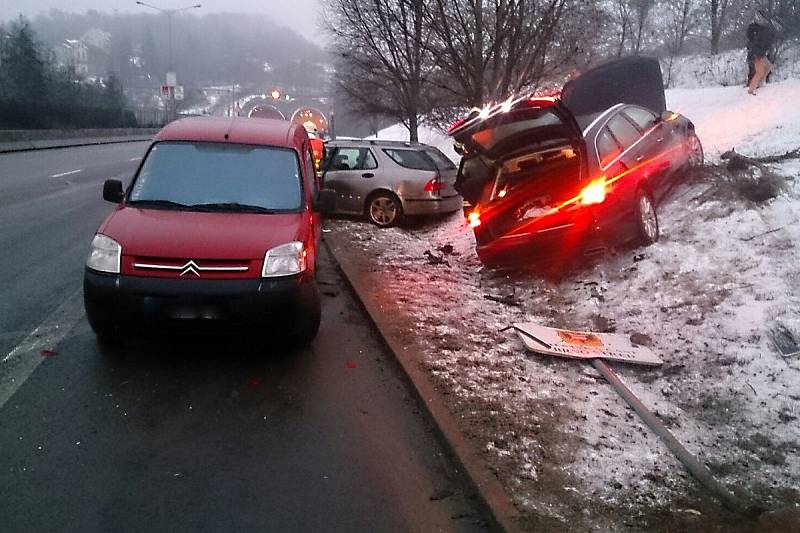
(239, 130)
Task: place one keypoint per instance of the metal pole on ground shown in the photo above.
(695, 467)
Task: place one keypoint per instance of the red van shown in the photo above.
(219, 226)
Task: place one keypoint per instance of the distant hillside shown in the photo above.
(206, 48)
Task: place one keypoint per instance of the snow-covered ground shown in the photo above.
(725, 272)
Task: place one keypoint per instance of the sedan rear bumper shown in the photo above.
(569, 241)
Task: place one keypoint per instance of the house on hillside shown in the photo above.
(73, 53)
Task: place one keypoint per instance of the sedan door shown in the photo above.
(347, 171)
(635, 155)
(660, 147)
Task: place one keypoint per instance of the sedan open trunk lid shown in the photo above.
(513, 125)
(628, 80)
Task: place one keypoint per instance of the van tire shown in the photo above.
(310, 321)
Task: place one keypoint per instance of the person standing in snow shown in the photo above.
(761, 37)
(752, 30)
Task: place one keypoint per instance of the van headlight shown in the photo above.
(105, 254)
(284, 260)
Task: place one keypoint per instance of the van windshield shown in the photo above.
(209, 176)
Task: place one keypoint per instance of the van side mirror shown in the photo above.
(112, 191)
(326, 201)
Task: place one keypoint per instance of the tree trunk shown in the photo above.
(413, 128)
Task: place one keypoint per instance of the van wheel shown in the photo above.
(646, 218)
(384, 209)
(308, 331)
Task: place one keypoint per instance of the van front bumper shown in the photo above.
(282, 304)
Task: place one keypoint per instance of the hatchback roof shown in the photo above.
(377, 142)
(238, 130)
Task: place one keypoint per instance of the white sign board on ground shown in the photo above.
(584, 345)
(179, 92)
(172, 79)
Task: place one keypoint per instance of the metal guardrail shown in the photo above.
(22, 140)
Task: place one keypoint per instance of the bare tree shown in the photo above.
(641, 12)
(718, 11)
(488, 49)
(679, 20)
(621, 15)
(383, 57)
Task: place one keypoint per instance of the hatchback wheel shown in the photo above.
(695, 150)
(647, 219)
(384, 210)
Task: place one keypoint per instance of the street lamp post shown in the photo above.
(169, 13)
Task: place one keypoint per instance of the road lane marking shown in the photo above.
(19, 364)
(135, 159)
(71, 172)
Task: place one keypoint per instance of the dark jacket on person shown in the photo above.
(760, 38)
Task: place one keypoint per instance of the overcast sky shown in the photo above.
(300, 14)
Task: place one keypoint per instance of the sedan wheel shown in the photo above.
(695, 151)
(384, 210)
(647, 219)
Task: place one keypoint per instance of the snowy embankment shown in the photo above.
(728, 69)
(724, 274)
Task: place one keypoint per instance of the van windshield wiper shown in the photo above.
(231, 206)
(159, 203)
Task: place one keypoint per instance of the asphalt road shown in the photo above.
(178, 435)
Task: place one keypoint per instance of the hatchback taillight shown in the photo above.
(434, 185)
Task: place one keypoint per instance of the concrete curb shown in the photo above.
(501, 509)
(67, 144)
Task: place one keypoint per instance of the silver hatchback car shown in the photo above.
(387, 180)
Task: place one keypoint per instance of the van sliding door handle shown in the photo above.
(660, 140)
(367, 175)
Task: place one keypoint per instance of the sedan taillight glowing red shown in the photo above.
(594, 193)
(474, 219)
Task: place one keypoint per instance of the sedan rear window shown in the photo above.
(194, 175)
(641, 117)
(623, 131)
(607, 147)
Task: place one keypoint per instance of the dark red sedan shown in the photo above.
(560, 177)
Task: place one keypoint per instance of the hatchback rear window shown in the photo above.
(413, 159)
(220, 174)
(442, 161)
